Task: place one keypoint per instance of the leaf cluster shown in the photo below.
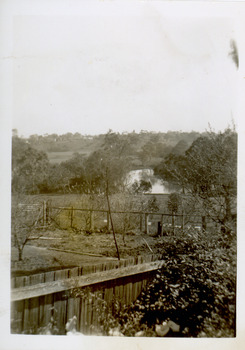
(207, 172)
(195, 288)
(29, 167)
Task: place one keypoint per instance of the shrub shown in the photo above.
(195, 289)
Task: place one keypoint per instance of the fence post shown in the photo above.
(141, 222)
(48, 212)
(44, 213)
(161, 225)
(204, 224)
(146, 223)
(183, 221)
(173, 224)
(72, 215)
(108, 221)
(91, 220)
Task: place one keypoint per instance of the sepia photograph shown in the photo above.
(123, 138)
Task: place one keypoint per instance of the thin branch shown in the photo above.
(109, 209)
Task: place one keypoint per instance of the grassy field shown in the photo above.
(70, 229)
(52, 248)
(58, 157)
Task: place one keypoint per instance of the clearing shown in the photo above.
(58, 249)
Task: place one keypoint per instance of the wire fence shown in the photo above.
(124, 221)
(93, 220)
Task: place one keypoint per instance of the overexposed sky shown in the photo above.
(132, 68)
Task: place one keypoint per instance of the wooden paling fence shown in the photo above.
(53, 298)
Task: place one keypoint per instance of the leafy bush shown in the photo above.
(195, 289)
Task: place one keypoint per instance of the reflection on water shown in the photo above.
(158, 186)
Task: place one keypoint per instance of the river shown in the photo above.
(158, 186)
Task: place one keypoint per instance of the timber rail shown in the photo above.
(38, 299)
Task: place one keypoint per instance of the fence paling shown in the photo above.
(80, 282)
(76, 271)
(37, 308)
(21, 281)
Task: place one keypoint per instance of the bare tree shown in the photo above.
(25, 218)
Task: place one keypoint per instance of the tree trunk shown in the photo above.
(226, 226)
(20, 251)
(227, 209)
(109, 210)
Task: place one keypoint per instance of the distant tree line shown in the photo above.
(205, 170)
(84, 172)
(32, 172)
(144, 146)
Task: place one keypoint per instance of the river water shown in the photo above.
(158, 186)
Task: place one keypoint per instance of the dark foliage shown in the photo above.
(29, 167)
(208, 174)
(195, 289)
